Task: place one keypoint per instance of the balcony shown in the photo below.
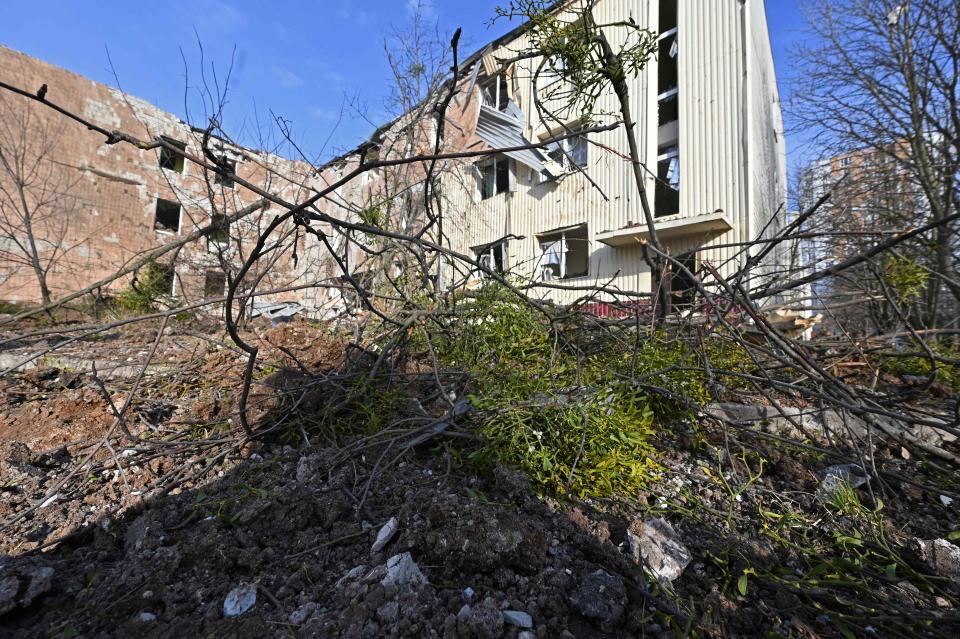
(667, 228)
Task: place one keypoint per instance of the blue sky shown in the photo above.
(297, 59)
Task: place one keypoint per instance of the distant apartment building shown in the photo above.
(97, 206)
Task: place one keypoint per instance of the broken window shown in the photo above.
(492, 257)
(667, 194)
(224, 180)
(668, 50)
(220, 229)
(683, 285)
(494, 177)
(169, 159)
(571, 152)
(495, 93)
(167, 216)
(214, 283)
(564, 254)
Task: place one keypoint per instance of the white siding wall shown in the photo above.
(716, 150)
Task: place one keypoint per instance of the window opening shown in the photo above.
(495, 93)
(683, 286)
(224, 180)
(169, 159)
(214, 283)
(167, 216)
(571, 152)
(494, 177)
(564, 254)
(667, 193)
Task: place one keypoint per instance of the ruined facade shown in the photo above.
(93, 207)
(566, 218)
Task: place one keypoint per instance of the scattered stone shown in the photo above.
(389, 613)
(526, 634)
(147, 617)
(240, 600)
(941, 556)
(22, 582)
(385, 535)
(484, 621)
(517, 618)
(657, 544)
(402, 570)
(946, 501)
(299, 616)
(601, 596)
(836, 476)
(469, 593)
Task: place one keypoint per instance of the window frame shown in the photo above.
(170, 161)
(564, 152)
(494, 181)
(550, 238)
(164, 228)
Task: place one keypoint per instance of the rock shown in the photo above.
(300, 616)
(836, 476)
(517, 618)
(389, 613)
(941, 556)
(601, 596)
(385, 535)
(526, 634)
(402, 570)
(147, 617)
(484, 621)
(946, 501)
(307, 467)
(240, 600)
(22, 582)
(469, 593)
(350, 575)
(657, 544)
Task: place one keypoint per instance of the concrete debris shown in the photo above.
(517, 618)
(402, 570)
(657, 544)
(21, 584)
(300, 616)
(240, 600)
(483, 621)
(601, 596)
(389, 613)
(385, 535)
(941, 556)
(836, 476)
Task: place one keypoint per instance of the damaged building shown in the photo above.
(568, 217)
(95, 207)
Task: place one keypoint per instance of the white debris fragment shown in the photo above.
(946, 501)
(517, 618)
(385, 535)
(402, 570)
(240, 600)
(658, 545)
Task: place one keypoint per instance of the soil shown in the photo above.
(153, 540)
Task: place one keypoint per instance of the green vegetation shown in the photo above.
(575, 411)
(151, 284)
